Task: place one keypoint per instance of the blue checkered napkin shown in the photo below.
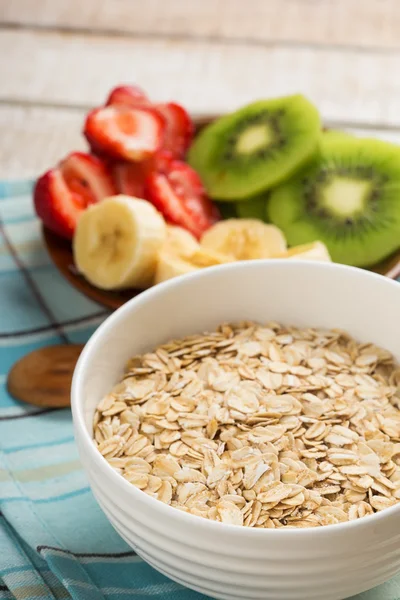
(55, 542)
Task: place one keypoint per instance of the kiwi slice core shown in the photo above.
(348, 198)
(253, 138)
(345, 199)
(245, 153)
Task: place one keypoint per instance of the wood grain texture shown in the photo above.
(351, 86)
(211, 55)
(364, 23)
(33, 139)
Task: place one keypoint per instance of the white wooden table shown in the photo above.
(60, 57)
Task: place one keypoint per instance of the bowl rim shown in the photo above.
(164, 510)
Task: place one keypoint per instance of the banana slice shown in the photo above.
(171, 265)
(117, 241)
(244, 239)
(313, 251)
(179, 241)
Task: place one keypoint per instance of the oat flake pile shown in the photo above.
(262, 426)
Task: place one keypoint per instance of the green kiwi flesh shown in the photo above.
(336, 134)
(254, 208)
(244, 153)
(348, 197)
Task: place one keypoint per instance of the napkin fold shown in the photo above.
(55, 542)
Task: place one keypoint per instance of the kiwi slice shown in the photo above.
(348, 198)
(254, 208)
(246, 152)
(338, 135)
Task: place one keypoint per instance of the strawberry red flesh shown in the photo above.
(124, 132)
(88, 177)
(130, 177)
(63, 193)
(179, 195)
(179, 128)
(129, 95)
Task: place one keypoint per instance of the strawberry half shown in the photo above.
(129, 177)
(124, 132)
(129, 95)
(179, 128)
(63, 193)
(179, 195)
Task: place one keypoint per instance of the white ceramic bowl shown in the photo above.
(226, 561)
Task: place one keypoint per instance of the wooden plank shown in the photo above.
(374, 23)
(34, 139)
(351, 86)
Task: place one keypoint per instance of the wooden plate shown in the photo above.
(60, 252)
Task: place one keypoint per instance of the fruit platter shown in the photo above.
(159, 194)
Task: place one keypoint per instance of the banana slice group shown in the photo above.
(123, 242)
(117, 242)
(244, 239)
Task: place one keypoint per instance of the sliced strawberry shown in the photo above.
(129, 95)
(129, 177)
(179, 195)
(179, 128)
(162, 161)
(87, 176)
(63, 193)
(124, 132)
